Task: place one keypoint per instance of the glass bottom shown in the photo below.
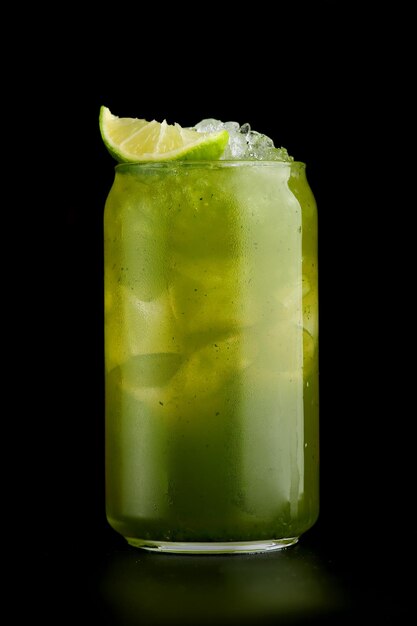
(228, 547)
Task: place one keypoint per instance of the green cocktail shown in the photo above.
(211, 355)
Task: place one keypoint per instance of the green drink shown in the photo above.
(211, 355)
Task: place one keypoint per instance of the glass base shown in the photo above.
(228, 547)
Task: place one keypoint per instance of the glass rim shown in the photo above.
(213, 164)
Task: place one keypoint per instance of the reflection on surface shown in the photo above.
(294, 584)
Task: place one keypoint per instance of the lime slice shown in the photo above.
(133, 140)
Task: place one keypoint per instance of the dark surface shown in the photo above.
(315, 582)
(312, 79)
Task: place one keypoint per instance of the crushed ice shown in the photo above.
(244, 143)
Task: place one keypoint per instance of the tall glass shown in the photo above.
(211, 331)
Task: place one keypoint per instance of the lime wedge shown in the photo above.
(134, 140)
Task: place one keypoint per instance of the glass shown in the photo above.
(211, 331)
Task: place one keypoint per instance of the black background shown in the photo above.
(317, 78)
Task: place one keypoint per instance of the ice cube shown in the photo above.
(281, 347)
(208, 369)
(245, 129)
(199, 223)
(232, 127)
(150, 370)
(259, 146)
(211, 295)
(204, 300)
(136, 250)
(236, 147)
(209, 125)
(244, 143)
(134, 327)
(196, 385)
